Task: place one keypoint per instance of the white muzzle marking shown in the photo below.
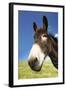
(36, 52)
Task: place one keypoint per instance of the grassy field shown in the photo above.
(25, 72)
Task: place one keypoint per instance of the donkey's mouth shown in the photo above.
(35, 68)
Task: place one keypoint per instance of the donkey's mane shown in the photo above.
(54, 38)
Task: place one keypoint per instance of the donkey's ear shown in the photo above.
(45, 23)
(34, 26)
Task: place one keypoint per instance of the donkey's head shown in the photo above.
(41, 46)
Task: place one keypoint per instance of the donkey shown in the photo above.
(44, 45)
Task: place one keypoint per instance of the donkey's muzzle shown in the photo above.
(34, 64)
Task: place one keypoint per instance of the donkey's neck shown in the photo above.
(54, 58)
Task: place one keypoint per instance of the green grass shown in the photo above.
(25, 72)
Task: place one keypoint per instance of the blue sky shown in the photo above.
(26, 32)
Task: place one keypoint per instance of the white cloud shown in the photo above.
(56, 35)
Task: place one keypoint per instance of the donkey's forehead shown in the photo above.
(40, 31)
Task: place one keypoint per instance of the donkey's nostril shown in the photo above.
(35, 60)
(34, 64)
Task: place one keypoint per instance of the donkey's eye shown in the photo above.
(44, 35)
